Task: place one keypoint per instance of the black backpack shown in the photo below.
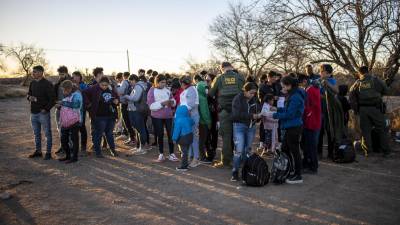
(255, 171)
(345, 152)
(281, 167)
(141, 105)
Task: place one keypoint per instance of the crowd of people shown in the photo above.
(292, 112)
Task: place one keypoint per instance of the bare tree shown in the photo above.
(3, 66)
(349, 33)
(211, 65)
(292, 55)
(27, 55)
(241, 39)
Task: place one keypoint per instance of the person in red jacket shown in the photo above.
(311, 124)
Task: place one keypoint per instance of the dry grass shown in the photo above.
(12, 91)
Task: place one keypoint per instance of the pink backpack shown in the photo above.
(69, 116)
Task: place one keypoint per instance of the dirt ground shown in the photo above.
(137, 190)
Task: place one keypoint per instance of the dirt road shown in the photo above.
(137, 190)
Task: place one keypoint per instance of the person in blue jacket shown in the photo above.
(183, 134)
(291, 120)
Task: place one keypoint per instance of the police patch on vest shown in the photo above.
(230, 81)
(365, 85)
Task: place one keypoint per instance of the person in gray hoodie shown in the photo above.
(137, 118)
(124, 88)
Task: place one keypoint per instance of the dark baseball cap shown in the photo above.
(226, 64)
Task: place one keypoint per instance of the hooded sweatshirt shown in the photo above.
(243, 109)
(182, 125)
(136, 94)
(205, 117)
(190, 98)
(292, 114)
(155, 97)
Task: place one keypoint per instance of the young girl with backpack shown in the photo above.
(71, 112)
(270, 126)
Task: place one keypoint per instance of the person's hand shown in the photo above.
(218, 125)
(57, 105)
(165, 103)
(273, 109)
(256, 116)
(43, 111)
(32, 99)
(169, 103)
(269, 114)
(115, 101)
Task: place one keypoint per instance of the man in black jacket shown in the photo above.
(41, 95)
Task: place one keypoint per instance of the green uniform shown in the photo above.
(368, 92)
(226, 86)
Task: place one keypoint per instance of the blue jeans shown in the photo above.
(137, 121)
(103, 125)
(310, 149)
(38, 121)
(243, 137)
(194, 148)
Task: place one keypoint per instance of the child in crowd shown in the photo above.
(70, 120)
(270, 126)
(183, 134)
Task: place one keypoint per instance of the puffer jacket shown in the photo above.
(205, 117)
(183, 124)
(244, 109)
(292, 114)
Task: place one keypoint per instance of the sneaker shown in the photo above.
(172, 157)
(35, 154)
(206, 161)
(121, 137)
(235, 176)
(194, 163)
(182, 169)
(160, 158)
(219, 165)
(297, 179)
(47, 156)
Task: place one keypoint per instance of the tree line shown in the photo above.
(287, 34)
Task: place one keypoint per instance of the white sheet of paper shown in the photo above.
(281, 102)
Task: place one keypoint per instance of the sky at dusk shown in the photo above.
(85, 34)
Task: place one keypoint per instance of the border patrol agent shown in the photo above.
(226, 86)
(366, 97)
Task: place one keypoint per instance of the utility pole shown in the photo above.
(127, 57)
